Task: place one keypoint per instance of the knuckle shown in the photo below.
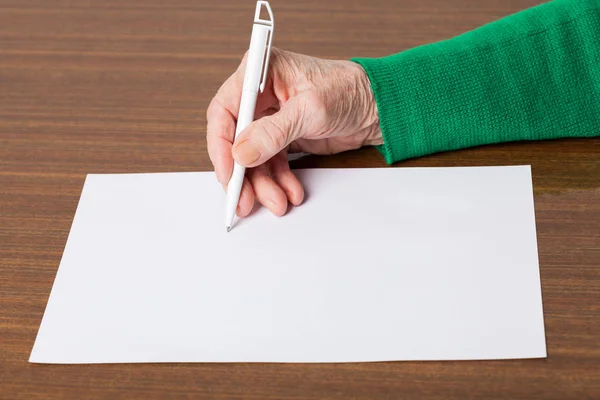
(242, 67)
(276, 134)
(210, 108)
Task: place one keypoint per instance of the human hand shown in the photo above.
(311, 105)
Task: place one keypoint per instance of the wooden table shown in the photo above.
(123, 85)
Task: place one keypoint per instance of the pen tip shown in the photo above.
(228, 228)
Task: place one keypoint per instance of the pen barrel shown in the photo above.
(246, 112)
(234, 189)
(256, 57)
(234, 186)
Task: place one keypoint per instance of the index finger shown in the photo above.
(222, 116)
(221, 120)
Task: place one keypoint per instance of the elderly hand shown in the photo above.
(309, 104)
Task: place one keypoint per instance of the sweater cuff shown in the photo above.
(383, 76)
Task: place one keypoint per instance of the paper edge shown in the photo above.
(32, 354)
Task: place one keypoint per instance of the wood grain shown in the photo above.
(122, 86)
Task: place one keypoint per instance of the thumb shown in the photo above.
(266, 137)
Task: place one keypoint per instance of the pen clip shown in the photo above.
(270, 24)
(259, 5)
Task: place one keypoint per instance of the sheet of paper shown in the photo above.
(378, 264)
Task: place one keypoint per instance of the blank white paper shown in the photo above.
(376, 265)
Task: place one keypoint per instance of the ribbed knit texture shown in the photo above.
(530, 76)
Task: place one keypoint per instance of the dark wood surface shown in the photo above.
(123, 85)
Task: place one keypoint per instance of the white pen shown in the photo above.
(255, 78)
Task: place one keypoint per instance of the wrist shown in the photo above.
(366, 98)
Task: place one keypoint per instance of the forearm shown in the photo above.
(530, 76)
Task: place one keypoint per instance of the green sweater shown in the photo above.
(533, 75)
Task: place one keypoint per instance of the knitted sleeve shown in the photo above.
(530, 76)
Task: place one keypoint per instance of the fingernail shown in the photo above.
(246, 152)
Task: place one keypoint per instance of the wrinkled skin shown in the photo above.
(309, 104)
